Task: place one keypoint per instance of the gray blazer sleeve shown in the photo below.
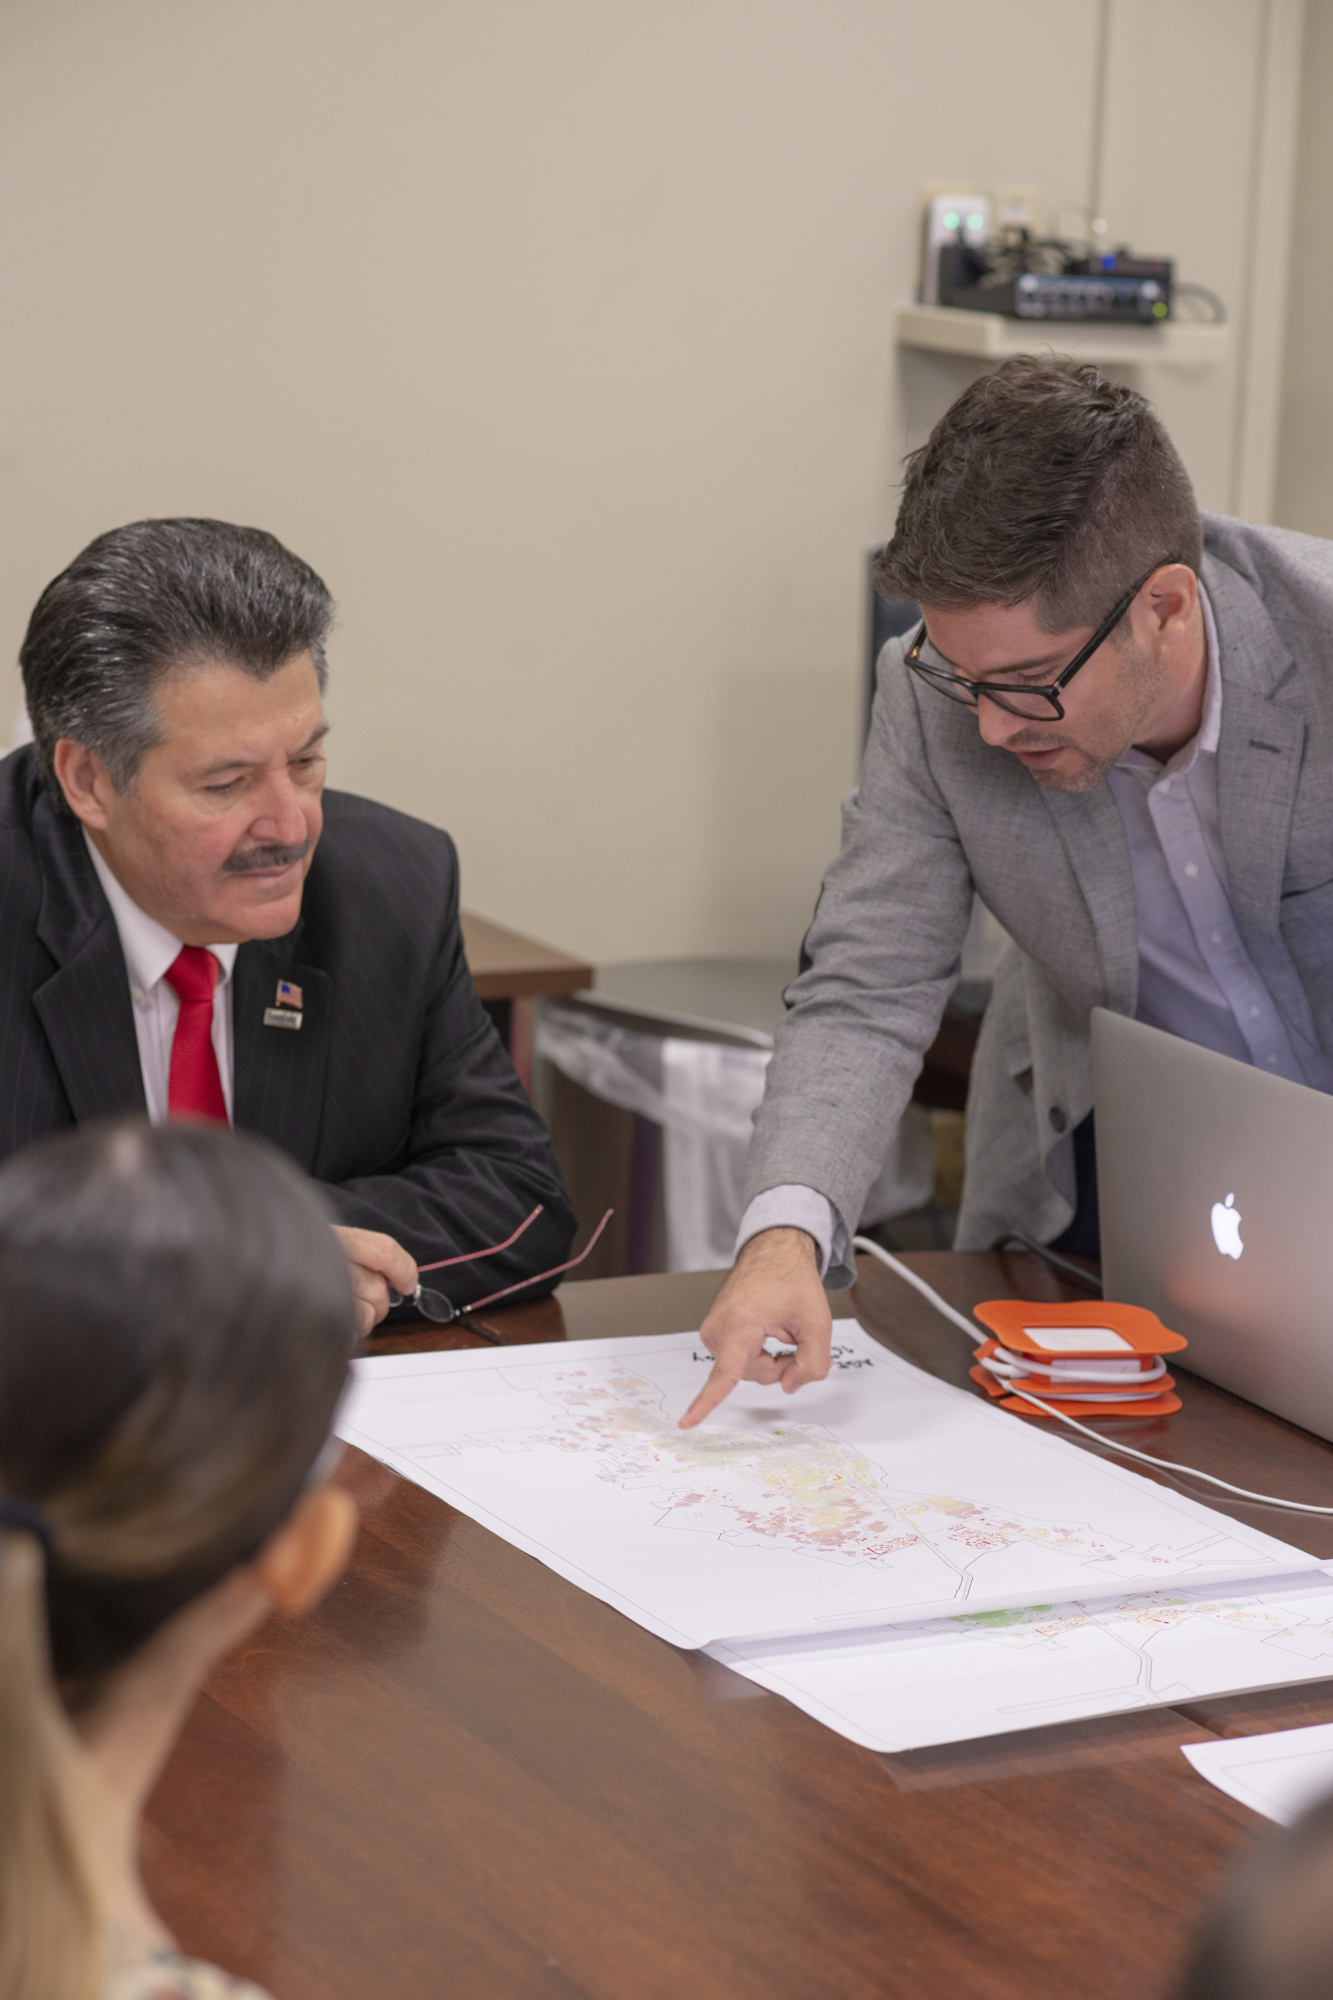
(884, 945)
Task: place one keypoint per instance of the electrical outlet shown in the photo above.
(1018, 207)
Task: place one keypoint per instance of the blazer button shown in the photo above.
(1058, 1118)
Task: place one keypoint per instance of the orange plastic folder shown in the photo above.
(1095, 1358)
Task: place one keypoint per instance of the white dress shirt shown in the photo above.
(1196, 979)
(149, 950)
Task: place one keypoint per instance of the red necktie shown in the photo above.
(194, 1089)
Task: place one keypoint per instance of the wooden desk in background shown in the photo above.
(509, 973)
(464, 1779)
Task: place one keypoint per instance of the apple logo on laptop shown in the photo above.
(1226, 1227)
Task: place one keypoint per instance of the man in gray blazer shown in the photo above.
(1115, 724)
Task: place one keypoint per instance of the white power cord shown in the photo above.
(1126, 1450)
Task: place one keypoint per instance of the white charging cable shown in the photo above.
(970, 1328)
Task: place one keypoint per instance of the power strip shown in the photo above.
(963, 219)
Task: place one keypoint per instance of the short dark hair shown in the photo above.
(147, 598)
(178, 1328)
(1042, 482)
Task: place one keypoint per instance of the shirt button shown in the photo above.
(1191, 869)
(1217, 937)
(1254, 1013)
(1164, 787)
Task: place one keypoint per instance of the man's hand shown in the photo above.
(774, 1293)
(375, 1262)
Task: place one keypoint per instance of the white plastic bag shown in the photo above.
(704, 1096)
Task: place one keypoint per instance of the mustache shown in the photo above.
(270, 854)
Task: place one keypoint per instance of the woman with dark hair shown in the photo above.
(176, 1322)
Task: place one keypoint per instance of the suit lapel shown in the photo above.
(1093, 837)
(84, 1007)
(1258, 767)
(88, 1017)
(278, 1088)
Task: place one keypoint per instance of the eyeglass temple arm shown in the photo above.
(471, 1256)
(523, 1283)
(397, 1299)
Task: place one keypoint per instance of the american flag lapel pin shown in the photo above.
(287, 1013)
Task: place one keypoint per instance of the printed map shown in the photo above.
(792, 1486)
(880, 1496)
(943, 1680)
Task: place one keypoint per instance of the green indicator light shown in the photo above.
(951, 220)
(1159, 310)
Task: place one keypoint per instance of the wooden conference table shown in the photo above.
(464, 1777)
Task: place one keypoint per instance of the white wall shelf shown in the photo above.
(990, 337)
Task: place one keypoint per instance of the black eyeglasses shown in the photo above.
(434, 1305)
(1036, 703)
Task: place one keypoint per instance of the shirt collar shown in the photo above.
(1204, 742)
(148, 946)
(1210, 729)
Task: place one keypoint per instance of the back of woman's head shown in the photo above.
(175, 1327)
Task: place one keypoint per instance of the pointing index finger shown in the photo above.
(722, 1379)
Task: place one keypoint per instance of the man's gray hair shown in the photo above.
(146, 600)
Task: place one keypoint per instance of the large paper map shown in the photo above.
(880, 1496)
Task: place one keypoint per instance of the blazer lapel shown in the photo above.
(85, 1006)
(1258, 768)
(278, 1086)
(1093, 837)
(1258, 771)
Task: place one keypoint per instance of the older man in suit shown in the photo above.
(1115, 724)
(193, 925)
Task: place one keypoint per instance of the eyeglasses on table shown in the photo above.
(434, 1305)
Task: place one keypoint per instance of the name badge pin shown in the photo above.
(282, 1017)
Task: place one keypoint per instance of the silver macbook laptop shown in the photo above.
(1215, 1185)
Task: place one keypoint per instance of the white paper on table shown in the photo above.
(1278, 1774)
(877, 1496)
(945, 1680)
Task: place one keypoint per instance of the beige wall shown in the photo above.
(556, 334)
(1200, 166)
(1305, 450)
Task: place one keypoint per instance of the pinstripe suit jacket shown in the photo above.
(395, 1093)
(939, 813)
